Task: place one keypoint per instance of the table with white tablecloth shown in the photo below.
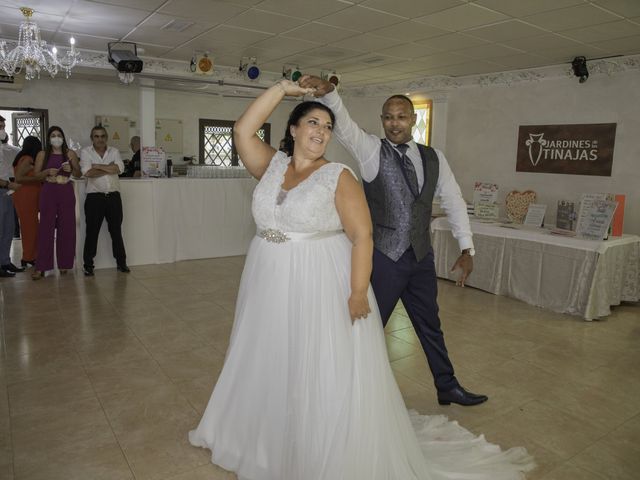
(564, 274)
(172, 219)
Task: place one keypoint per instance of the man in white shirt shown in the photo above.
(401, 179)
(101, 165)
(7, 216)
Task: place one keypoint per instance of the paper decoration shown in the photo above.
(517, 204)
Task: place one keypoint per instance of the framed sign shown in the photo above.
(152, 161)
(486, 193)
(585, 149)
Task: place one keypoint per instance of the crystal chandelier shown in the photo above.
(31, 54)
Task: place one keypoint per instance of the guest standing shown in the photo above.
(57, 204)
(7, 214)
(101, 164)
(27, 197)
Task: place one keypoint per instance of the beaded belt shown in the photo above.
(276, 236)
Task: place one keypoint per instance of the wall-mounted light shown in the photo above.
(580, 70)
(249, 67)
(331, 77)
(291, 73)
(202, 64)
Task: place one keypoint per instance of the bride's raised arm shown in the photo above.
(255, 153)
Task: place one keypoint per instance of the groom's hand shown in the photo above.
(464, 263)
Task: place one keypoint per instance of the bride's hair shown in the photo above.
(286, 144)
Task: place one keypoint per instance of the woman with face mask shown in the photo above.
(57, 204)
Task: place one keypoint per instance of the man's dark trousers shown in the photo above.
(97, 207)
(415, 283)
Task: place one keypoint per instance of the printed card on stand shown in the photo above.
(535, 215)
(485, 201)
(566, 215)
(485, 193)
(595, 218)
(153, 161)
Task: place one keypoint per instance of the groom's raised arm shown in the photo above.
(365, 148)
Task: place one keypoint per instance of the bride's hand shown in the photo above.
(292, 89)
(359, 306)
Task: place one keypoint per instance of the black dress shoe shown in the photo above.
(28, 263)
(124, 269)
(460, 396)
(10, 267)
(88, 271)
(5, 274)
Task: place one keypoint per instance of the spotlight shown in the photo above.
(291, 73)
(250, 68)
(124, 57)
(579, 66)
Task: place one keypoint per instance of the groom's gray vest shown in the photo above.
(399, 218)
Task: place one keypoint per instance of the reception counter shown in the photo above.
(172, 219)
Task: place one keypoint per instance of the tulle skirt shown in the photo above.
(305, 394)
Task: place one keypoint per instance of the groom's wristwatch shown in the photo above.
(469, 251)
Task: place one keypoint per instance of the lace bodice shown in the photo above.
(308, 207)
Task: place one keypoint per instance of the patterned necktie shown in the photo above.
(409, 169)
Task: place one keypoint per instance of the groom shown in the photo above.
(400, 180)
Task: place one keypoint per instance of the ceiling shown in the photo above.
(367, 41)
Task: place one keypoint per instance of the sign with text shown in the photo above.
(585, 149)
(153, 161)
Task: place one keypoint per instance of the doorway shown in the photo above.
(22, 122)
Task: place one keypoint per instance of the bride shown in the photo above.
(307, 391)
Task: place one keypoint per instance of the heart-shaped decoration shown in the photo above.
(517, 204)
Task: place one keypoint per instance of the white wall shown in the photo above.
(479, 139)
(73, 104)
(482, 133)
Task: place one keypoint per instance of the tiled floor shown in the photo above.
(102, 378)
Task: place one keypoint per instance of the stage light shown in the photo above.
(250, 68)
(291, 73)
(332, 77)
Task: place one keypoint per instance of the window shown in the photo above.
(216, 142)
(422, 128)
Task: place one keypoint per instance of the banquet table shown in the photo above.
(172, 219)
(563, 274)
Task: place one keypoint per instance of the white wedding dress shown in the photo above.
(307, 395)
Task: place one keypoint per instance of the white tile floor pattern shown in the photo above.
(102, 378)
